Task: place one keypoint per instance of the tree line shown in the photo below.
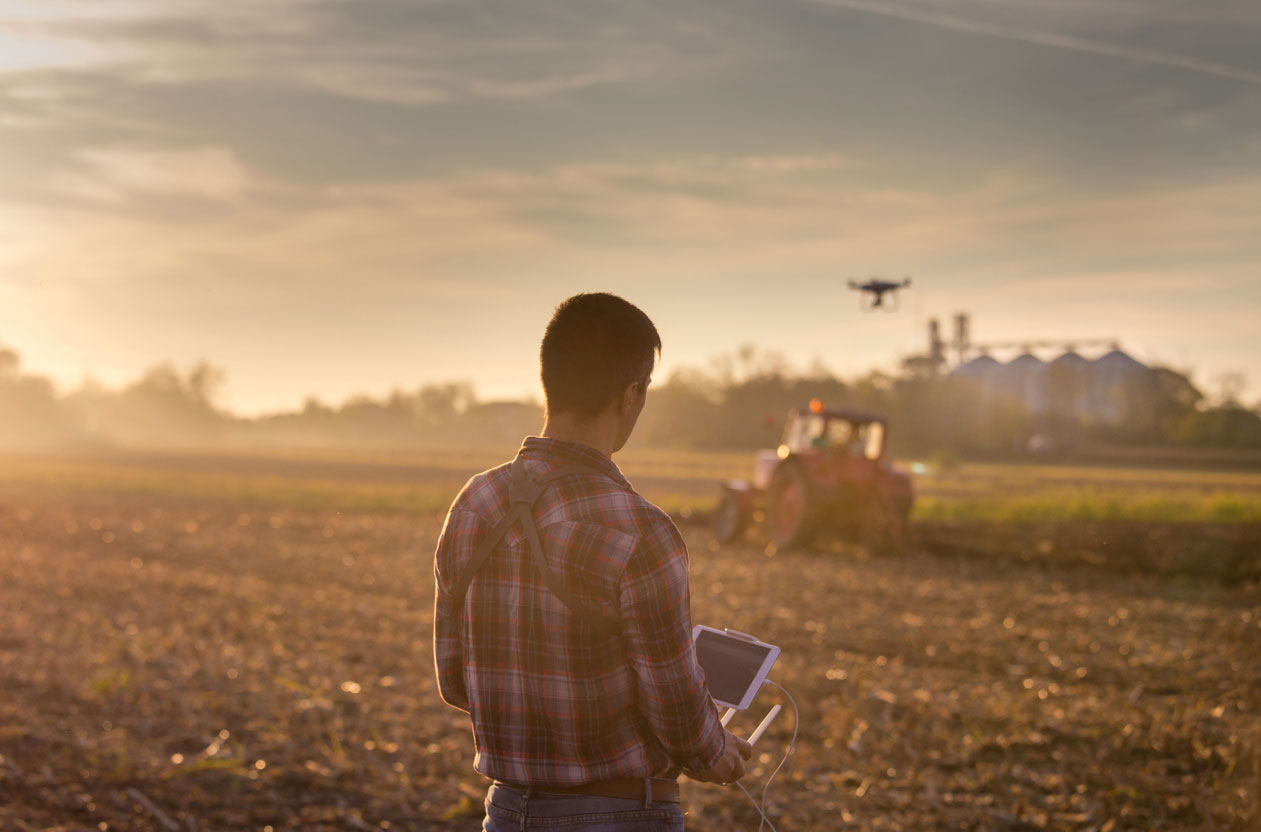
(737, 402)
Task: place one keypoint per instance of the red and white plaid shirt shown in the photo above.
(552, 701)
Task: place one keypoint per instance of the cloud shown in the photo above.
(116, 175)
(737, 215)
(20, 52)
(1109, 14)
(1047, 38)
(424, 132)
(312, 92)
(406, 53)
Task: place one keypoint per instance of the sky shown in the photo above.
(332, 197)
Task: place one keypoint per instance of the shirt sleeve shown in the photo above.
(657, 624)
(448, 650)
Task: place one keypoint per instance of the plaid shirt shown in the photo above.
(552, 702)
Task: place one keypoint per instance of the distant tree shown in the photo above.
(204, 383)
(1171, 397)
(313, 408)
(31, 415)
(438, 405)
(1230, 386)
(9, 362)
(1221, 427)
(680, 413)
(737, 401)
(163, 406)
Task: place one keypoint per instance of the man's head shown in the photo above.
(598, 352)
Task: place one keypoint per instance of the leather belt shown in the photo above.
(627, 788)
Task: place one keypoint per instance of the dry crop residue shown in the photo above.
(196, 663)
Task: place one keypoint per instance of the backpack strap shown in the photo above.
(523, 492)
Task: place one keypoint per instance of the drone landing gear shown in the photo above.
(885, 302)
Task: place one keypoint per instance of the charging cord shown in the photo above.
(761, 806)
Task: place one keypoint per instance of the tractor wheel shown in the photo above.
(788, 506)
(885, 526)
(729, 519)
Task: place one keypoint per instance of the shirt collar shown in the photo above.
(570, 453)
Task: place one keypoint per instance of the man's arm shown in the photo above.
(448, 653)
(657, 624)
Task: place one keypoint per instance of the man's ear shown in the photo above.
(630, 394)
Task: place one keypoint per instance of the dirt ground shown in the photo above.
(222, 664)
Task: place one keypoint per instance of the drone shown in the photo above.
(874, 290)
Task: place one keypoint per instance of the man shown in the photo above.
(561, 616)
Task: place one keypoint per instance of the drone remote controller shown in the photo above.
(735, 665)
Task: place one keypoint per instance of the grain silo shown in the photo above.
(1068, 386)
(983, 370)
(1116, 378)
(1024, 380)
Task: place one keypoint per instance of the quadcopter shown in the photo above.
(874, 290)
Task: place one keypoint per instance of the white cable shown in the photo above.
(761, 807)
(765, 819)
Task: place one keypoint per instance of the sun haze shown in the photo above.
(331, 198)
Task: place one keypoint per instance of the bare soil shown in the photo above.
(223, 664)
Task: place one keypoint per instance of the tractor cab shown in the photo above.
(846, 432)
(840, 449)
(835, 445)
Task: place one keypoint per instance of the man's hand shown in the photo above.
(730, 766)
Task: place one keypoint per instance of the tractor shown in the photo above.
(828, 474)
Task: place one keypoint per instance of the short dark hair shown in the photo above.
(594, 346)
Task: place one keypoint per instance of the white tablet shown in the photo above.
(735, 664)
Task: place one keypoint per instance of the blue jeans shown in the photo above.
(509, 810)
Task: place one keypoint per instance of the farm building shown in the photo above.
(1103, 389)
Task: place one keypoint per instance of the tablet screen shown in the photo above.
(730, 664)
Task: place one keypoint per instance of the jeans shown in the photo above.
(509, 810)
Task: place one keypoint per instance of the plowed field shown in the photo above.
(194, 660)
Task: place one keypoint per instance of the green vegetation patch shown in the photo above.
(1093, 506)
(300, 493)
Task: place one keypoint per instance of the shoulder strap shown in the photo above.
(523, 493)
(483, 552)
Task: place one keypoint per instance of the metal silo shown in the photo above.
(1116, 379)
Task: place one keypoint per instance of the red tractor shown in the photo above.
(829, 472)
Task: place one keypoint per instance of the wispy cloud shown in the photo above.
(117, 174)
(405, 53)
(1046, 38)
(705, 215)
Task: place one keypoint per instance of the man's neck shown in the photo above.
(599, 433)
